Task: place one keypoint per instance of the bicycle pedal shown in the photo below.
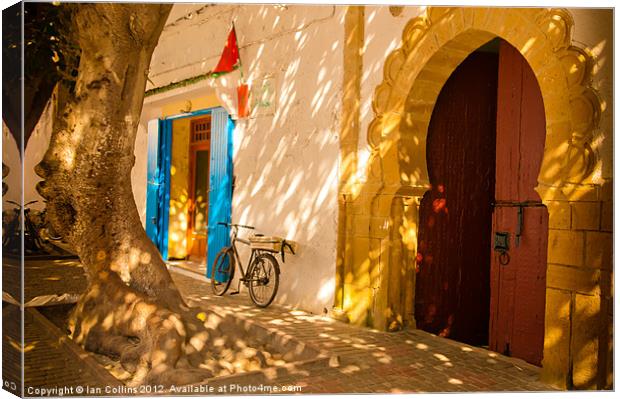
(235, 293)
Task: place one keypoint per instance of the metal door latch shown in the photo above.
(502, 239)
(521, 208)
(519, 226)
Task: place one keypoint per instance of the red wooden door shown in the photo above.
(452, 283)
(518, 278)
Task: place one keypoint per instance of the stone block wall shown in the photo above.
(580, 289)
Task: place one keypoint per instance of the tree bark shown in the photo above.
(132, 308)
(87, 168)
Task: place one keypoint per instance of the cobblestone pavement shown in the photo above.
(50, 359)
(369, 361)
(373, 361)
(43, 278)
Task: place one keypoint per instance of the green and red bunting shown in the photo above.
(229, 61)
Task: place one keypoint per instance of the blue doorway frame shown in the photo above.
(220, 180)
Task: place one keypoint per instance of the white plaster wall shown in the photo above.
(285, 160)
(382, 35)
(11, 158)
(287, 164)
(35, 149)
(138, 173)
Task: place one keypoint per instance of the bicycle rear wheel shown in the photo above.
(264, 279)
(222, 271)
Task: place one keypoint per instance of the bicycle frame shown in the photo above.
(238, 261)
(259, 271)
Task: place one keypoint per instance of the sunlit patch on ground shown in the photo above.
(365, 361)
(375, 361)
(232, 347)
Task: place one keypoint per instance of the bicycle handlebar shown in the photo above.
(236, 225)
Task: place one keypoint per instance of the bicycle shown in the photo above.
(263, 270)
(39, 238)
(11, 240)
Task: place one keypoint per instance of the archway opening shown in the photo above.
(482, 239)
(452, 287)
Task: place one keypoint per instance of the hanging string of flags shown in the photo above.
(230, 61)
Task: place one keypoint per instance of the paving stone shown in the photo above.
(385, 362)
(405, 361)
(48, 362)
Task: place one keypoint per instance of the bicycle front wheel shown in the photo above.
(222, 271)
(264, 279)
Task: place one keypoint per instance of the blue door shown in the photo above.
(220, 181)
(152, 180)
(220, 184)
(158, 183)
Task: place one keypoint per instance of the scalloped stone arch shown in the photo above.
(435, 43)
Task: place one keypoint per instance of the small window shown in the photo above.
(201, 130)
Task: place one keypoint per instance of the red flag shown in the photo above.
(229, 61)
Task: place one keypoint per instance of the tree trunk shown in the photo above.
(132, 308)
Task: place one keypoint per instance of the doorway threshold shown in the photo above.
(492, 357)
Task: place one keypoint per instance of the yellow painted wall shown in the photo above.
(179, 170)
(189, 105)
(179, 178)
